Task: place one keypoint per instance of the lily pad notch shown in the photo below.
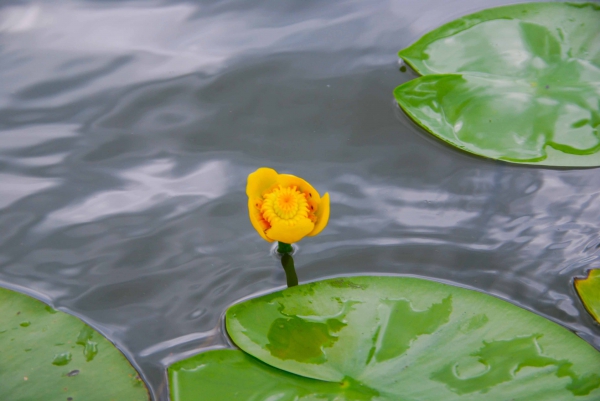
(518, 83)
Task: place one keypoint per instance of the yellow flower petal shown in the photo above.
(290, 234)
(261, 181)
(322, 215)
(287, 180)
(254, 213)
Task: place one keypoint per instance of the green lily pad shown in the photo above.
(405, 338)
(49, 355)
(519, 83)
(228, 374)
(589, 292)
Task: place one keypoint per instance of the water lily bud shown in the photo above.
(285, 208)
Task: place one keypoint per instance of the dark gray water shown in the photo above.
(127, 131)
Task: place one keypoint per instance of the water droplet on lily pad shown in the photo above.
(90, 350)
(62, 359)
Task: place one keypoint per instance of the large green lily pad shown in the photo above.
(589, 292)
(519, 83)
(49, 355)
(228, 374)
(400, 338)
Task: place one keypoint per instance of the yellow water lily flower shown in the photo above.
(285, 208)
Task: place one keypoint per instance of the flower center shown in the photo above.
(284, 204)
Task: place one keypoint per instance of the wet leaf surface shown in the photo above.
(518, 83)
(234, 375)
(49, 355)
(405, 337)
(589, 292)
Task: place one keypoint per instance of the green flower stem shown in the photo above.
(290, 272)
(283, 248)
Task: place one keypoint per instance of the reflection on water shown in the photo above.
(128, 130)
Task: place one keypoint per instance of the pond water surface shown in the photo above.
(128, 128)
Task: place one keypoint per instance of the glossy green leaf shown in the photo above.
(234, 375)
(589, 292)
(401, 338)
(49, 355)
(519, 83)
